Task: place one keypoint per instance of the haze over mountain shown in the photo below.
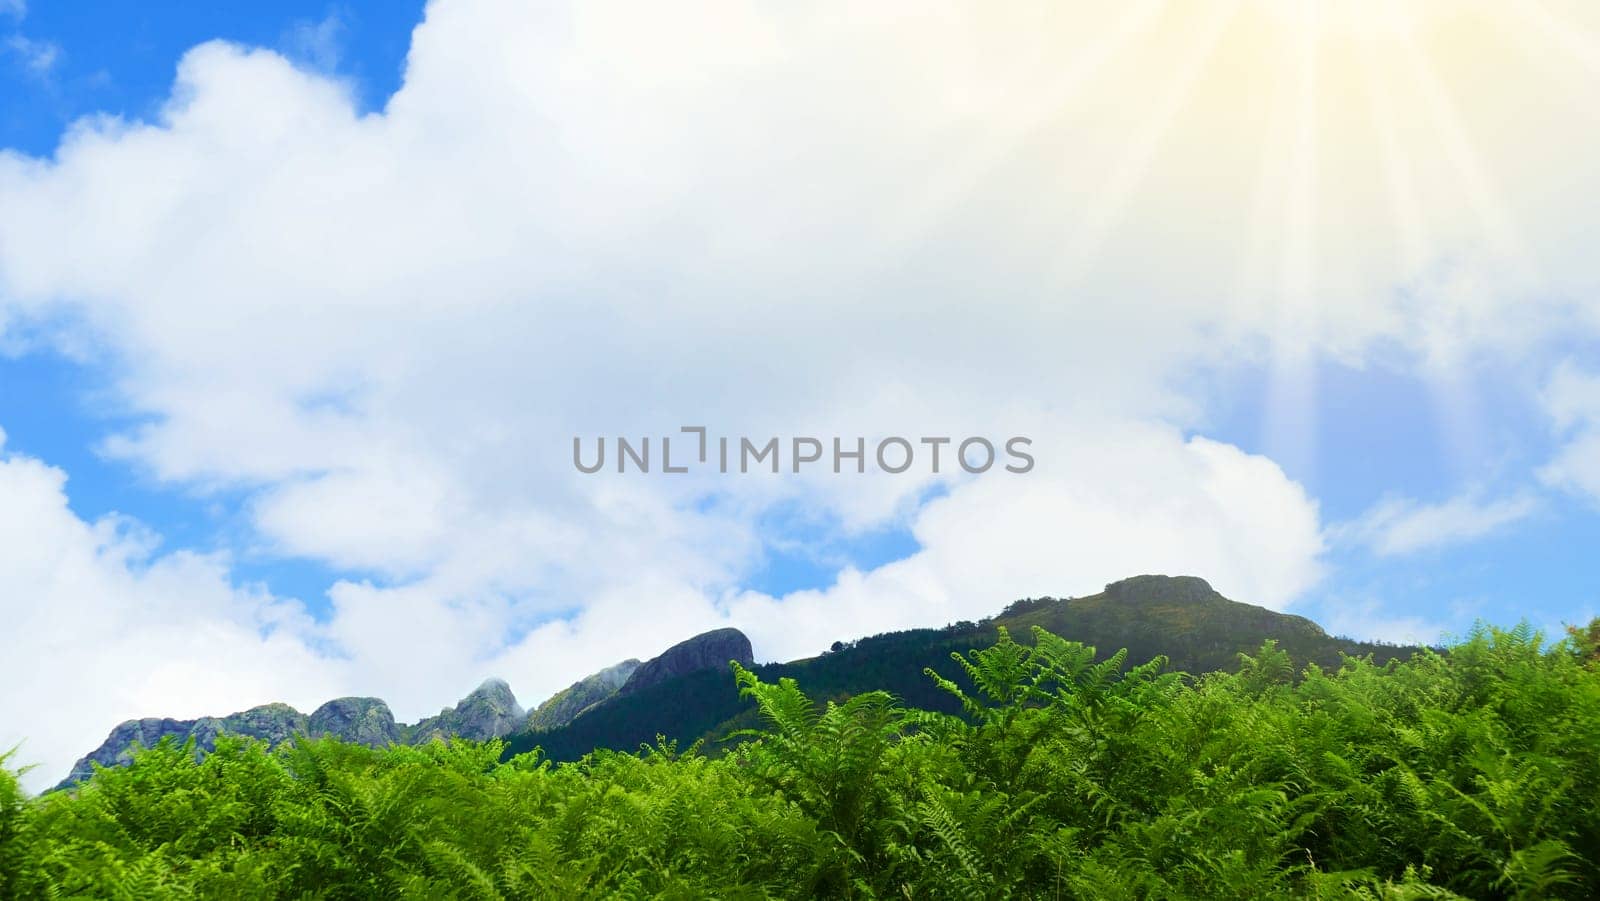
(686, 693)
(566, 704)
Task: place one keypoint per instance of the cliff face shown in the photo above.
(364, 721)
(271, 722)
(564, 706)
(1162, 589)
(489, 712)
(708, 650)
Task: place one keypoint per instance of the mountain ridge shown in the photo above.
(490, 711)
(685, 693)
(1181, 618)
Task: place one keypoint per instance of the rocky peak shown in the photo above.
(366, 721)
(707, 650)
(273, 723)
(491, 711)
(1163, 589)
(494, 693)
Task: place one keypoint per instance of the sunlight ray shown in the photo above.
(1503, 238)
(1454, 404)
(967, 172)
(1109, 202)
(1579, 44)
(1414, 243)
(1254, 283)
(1290, 417)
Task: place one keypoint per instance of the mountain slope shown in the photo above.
(686, 693)
(1180, 617)
(489, 712)
(708, 650)
(565, 705)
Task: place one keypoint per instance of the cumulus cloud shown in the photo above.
(1111, 501)
(1398, 526)
(108, 628)
(1572, 401)
(609, 218)
(101, 627)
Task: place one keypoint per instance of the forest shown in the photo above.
(1468, 771)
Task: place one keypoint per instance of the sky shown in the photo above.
(303, 305)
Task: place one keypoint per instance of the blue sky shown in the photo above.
(1378, 430)
(1382, 433)
(119, 58)
(1379, 435)
(1333, 348)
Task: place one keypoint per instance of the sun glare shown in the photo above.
(1359, 19)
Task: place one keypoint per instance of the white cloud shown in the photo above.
(108, 629)
(1572, 401)
(611, 218)
(316, 44)
(1398, 526)
(16, 9)
(1367, 619)
(100, 629)
(36, 56)
(1112, 501)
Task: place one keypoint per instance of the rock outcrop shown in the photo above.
(564, 706)
(272, 722)
(707, 650)
(1163, 589)
(364, 721)
(489, 712)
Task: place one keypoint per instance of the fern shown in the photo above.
(1468, 772)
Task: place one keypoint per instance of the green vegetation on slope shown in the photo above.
(1472, 773)
(1179, 617)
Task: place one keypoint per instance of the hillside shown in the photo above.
(490, 711)
(565, 705)
(687, 692)
(1466, 774)
(1180, 617)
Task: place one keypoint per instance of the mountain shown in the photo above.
(489, 712)
(274, 722)
(687, 693)
(1180, 617)
(364, 720)
(709, 650)
(565, 705)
